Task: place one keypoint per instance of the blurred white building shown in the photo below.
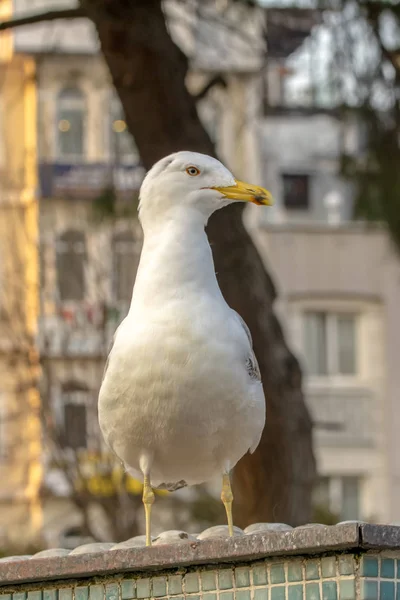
(338, 285)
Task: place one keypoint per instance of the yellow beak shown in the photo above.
(247, 193)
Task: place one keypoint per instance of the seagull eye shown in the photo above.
(193, 171)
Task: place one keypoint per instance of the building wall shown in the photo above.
(310, 145)
(350, 269)
(20, 443)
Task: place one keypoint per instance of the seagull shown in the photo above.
(181, 400)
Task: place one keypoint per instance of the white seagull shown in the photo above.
(181, 399)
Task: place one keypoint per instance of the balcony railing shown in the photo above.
(79, 330)
(88, 180)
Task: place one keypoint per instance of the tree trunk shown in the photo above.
(148, 71)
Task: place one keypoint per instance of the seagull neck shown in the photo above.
(176, 259)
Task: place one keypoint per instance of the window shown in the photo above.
(71, 114)
(70, 263)
(122, 145)
(330, 343)
(125, 264)
(296, 191)
(75, 399)
(338, 495)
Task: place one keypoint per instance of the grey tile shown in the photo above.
(387, 568)
(63, 594)
(82, 592)
(312, 569)
(368, 590)
(386, 590)
(278, 592)
(242, 576)
(295, 592)
(143, 588)
(96, 592)
(127, 589)
(160, 586)
(346, 565)
(347, 590)
(112, 591)
(312, 591)
(369, 566)
(329, 590)
(261, 594)
(35, 595)
(295, 571)
(225, 579)
(277, 573)
(22, 595)
(191, 582)
(242, 595)
(260, 574)
(230, 596)
(50, 594)
(328, 566)
(175, 585)
(209, 597)
(208, 581)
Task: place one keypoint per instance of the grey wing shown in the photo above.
(254, 372)
(251, 361)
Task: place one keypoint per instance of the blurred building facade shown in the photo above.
(333, 302)
(20, 434)
(338, 289)
(87, 165)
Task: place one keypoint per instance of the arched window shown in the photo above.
(71, 116)
(125, 264)
(70, 263)
(122, 145)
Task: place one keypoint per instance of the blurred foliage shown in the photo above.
(206, 509)
(104, 205)
(108, 205)
(371, 30)
(377, 176)
(322, 514)
(101, 476)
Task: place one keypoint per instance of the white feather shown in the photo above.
(177, 399)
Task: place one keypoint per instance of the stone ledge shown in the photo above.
(111, 559)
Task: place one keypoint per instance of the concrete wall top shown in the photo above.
(173, 550)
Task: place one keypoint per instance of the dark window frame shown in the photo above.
(296, 198)
(71, 265)
(75, 410)
(125, 259)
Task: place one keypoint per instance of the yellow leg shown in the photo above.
(227, 499)
(148, 501)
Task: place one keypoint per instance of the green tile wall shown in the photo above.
(330, 577)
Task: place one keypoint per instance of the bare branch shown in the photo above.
(51, 15)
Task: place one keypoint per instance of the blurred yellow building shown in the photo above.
(20, 437)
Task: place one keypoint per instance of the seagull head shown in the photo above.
(196, 182)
